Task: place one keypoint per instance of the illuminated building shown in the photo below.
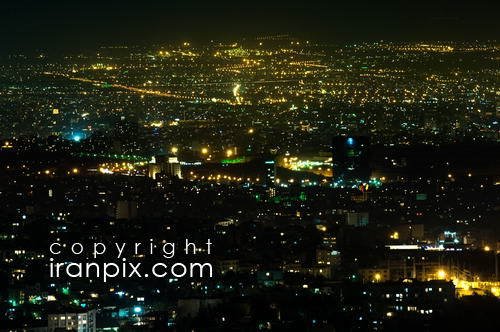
(449, 238)
(270, 166)
(408, 296)
(327, 256)
(81, 322)
(166, 165)
(351, 159)
(357, 219)
(174, 167)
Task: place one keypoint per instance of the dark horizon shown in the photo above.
(30, 25)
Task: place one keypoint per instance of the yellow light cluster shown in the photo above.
(221, 178)
(110, 168)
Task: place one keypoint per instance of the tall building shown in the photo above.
(81, 321)
(357, 219)
(351, 159)
(270, 167)
(166, 165)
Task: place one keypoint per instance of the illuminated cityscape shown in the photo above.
(335, 185)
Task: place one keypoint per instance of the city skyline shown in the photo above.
(249, 166)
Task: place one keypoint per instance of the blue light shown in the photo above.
(76, 138)
(350, 141)
(137, 310)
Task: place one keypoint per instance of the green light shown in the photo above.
(421, 197)
(35, 299)
(375, 182)
(65, 290)
(233, 161)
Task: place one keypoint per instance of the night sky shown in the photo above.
(75, 24)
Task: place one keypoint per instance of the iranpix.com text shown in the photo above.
(67, 260)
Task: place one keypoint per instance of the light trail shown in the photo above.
(144, 91)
